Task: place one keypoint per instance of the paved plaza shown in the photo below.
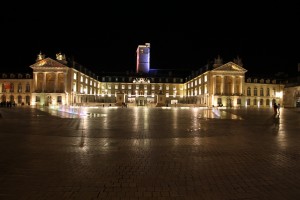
(150, 153)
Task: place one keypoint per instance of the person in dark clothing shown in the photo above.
(275, 107)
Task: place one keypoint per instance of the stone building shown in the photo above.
(62, 81)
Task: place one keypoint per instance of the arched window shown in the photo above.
(255, 92)
(255, 102)
(261, 92)
(12, 98)
(19, 99)
(27, 87)
(19, 87)
(249, 91)
(267, 102)
(261, 102)
(268, 92)
(248, 102)
(3, 98)
(12, 87)
(28, 100)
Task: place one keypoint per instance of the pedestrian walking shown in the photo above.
(275, 108)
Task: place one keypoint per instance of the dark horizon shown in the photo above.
(264, 36)
(169, 50)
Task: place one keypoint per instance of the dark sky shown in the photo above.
(264, 36)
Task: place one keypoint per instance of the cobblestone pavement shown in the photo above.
(140, 153)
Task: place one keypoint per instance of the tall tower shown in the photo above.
(143, 58)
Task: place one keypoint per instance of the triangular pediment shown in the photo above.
(230, 67)
(48, 63)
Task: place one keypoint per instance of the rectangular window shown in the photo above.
(248, 102)
(59, 99)
(261, 92)
(27, 88)
(219, 101)
(37, 99)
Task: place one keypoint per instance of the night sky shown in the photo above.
(264, 36)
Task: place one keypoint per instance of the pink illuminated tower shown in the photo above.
(143, 58)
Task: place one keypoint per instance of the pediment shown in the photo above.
(48, 63)
(230, 67)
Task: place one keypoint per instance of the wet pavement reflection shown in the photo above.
(149, 153)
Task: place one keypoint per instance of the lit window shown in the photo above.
(255, 92)
(74, 87)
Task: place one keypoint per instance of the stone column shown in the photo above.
(222, 85)
(65, 83)
(241, 85)
(233, 85)
(44, 81)
(214, 84)
(35, 81)
(55, 81)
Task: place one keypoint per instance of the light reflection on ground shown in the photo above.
(94, 112)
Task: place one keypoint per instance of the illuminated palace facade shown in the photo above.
(63, 82)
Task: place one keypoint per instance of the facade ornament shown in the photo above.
(40, 56)
(218, 62)
(141, 80)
